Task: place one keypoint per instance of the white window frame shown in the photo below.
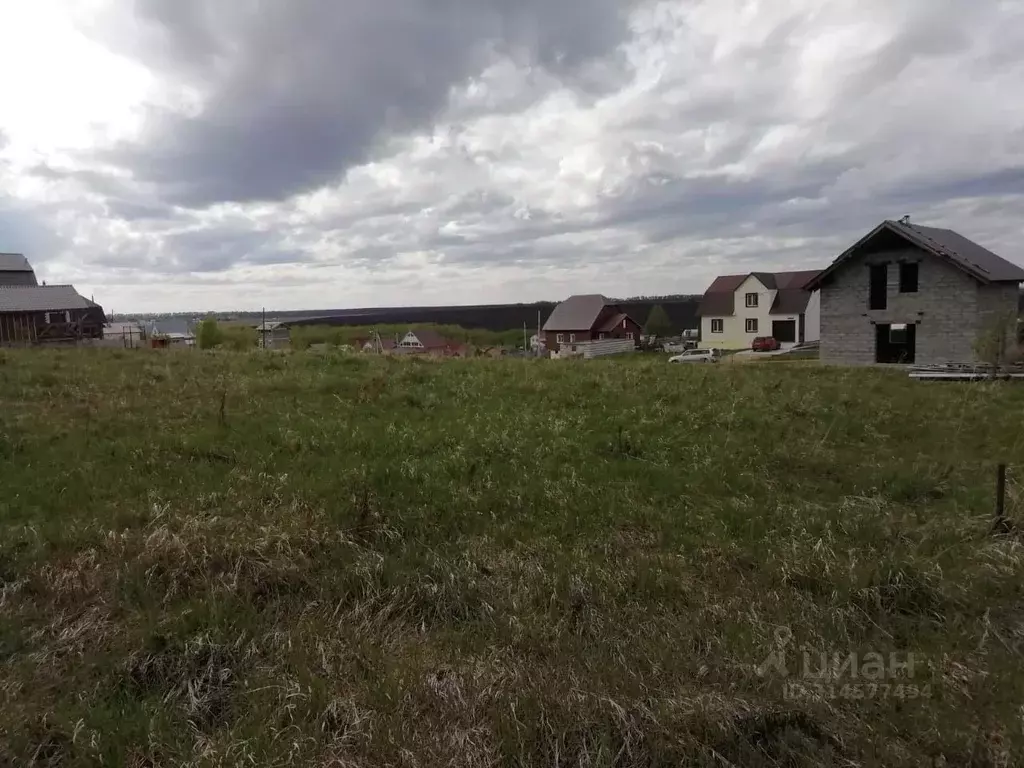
(572, 338)
(630, 336)
(750, 321)
(67, 315)
(46, 317)
(717, 325)
(602, 335)
(751, 300)
(560, 338)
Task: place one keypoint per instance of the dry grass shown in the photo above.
(314, 559)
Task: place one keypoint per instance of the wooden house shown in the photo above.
(37, 314)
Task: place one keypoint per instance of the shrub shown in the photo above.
(209, 334)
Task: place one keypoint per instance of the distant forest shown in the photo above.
(681, 310)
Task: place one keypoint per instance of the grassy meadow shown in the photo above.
(283, 559)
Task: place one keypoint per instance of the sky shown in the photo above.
(173, 155)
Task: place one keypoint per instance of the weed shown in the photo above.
(334, 559)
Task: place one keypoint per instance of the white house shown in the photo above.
(736, 309)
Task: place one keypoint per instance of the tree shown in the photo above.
(208, 334)
(658, 323)
(997, 342)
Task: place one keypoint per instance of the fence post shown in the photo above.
(1001, 495)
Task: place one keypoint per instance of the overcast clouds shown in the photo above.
(196, 154)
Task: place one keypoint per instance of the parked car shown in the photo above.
(696, 356)
(765, 344)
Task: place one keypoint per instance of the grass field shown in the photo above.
(306, 559)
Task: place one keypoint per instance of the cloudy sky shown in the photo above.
(231, 154)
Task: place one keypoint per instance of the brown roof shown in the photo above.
(430, 338)
(952, 247)
(577, 313)
(791, 298)
(612, 322)
(718, 298)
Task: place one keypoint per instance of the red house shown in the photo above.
(587, 318)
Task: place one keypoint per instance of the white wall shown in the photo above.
(734, 335)
(812, 318)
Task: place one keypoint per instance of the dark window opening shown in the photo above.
(908, 277)
(895, 343)
(878, 287)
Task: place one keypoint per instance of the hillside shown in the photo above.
(305, 559)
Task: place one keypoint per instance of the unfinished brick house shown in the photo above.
(587, 317)
(911, 294)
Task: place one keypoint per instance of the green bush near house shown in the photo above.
(209, 334)
(357, 560)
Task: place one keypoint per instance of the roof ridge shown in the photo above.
(50, 285)
(943, 249)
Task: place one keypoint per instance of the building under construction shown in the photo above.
(39, 314)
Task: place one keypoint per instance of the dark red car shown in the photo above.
(765, 344)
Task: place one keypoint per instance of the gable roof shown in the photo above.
(613, 322)
(14, 262)
(429, 338)
(577, 313)
(791, 297)
(41, 298)
(952, 247)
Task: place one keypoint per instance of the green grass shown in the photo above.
(327, 559)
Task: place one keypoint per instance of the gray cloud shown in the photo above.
(295, 93)
(489, 151)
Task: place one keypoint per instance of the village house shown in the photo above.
(587, 317)
(905, 293)
(430, 342)
(736, 309)
(31, 314)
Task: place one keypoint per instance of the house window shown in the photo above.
(878, 286)
(718, 326)
(751, 300)
(629, 335)
(898, 333)
(751, 325)
(560, 338)
(908, 277)
(603, 336)
(67, 316)
(46, 317)
(572, 338)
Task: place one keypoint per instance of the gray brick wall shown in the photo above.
(949, 309)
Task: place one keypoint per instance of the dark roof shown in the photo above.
(718, 298)
(613, 322)
(41, 298)
(14, 262)
(577, 313)
(952, 247)
(430, 339)
(791, 298)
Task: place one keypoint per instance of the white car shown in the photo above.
(696, 356)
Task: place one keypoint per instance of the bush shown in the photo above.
(239, 337)
(209, 334)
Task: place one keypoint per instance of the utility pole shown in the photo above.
(263, 330)
(538, 334)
